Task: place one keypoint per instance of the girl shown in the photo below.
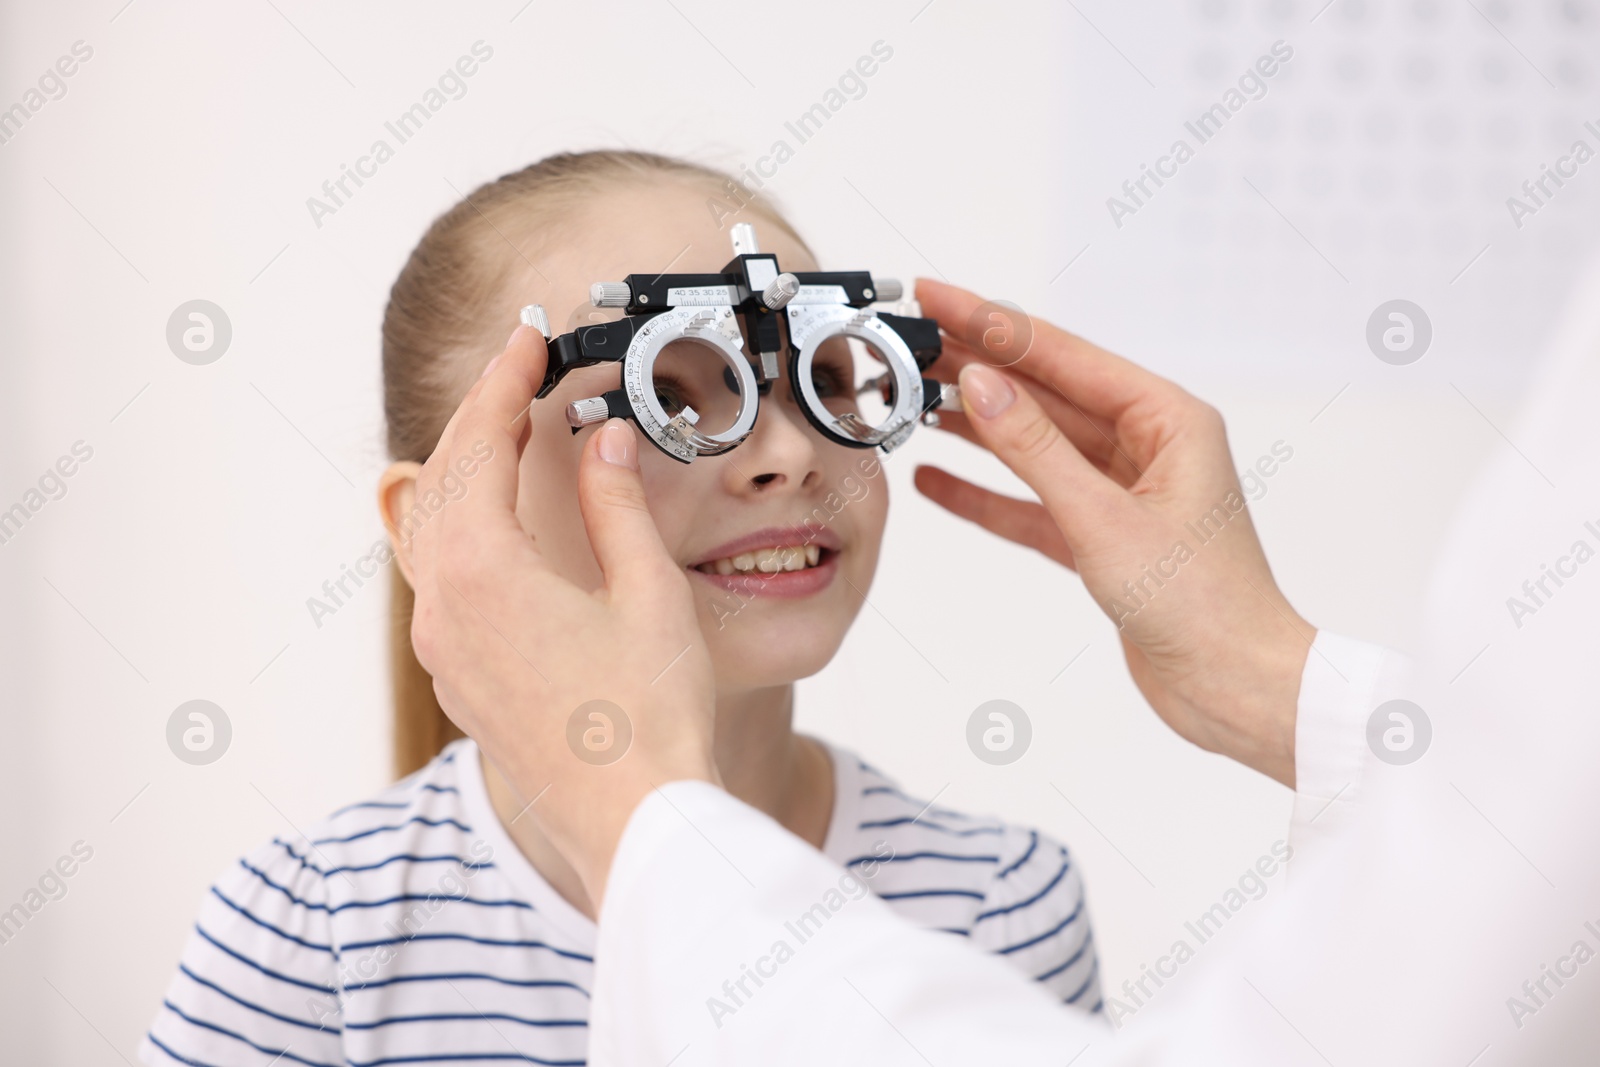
(435, 923)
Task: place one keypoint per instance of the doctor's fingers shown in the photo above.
(1167, 443)
(1094, 437)
(1104, 385)
(1108, 460)
(470, 484)
(469, 552)
(487, 444)
(1024, 522)
(420, 540)
(1080, 498)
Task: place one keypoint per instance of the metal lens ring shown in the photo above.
(715, 328)
(812, 324)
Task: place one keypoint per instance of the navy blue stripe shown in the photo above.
(517, 1056)
(1066, 865)
(284, 1054)
(1087, 982)
(467, 864)
(269, 972)
(304, 865)
(292, 898)
(474, 940)
(932, 893)
(183, 969)
(905, 857)
(917, 820)
(523, 983)
(1062, 925)
(435, 896)
(388, 900)
(156, 1041)
(394, 805)
(1033, 843)
(268, 926)
(872, 790)
(397, 805)
(447, 821)
(467, 1017)
(1070, 960)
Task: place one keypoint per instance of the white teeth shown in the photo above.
(787, 559)
(767, 560)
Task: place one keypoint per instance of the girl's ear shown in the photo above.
(397, 490)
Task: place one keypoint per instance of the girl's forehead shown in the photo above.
(672, 227)
(611, 239)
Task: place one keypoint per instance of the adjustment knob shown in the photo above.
(780, 291)
(887, 290)
(610, 294)
(586, 412)
(744, 239)
(534, 315)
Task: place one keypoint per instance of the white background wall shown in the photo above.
(218, 498)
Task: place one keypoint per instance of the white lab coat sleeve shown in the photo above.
(1343, 683)
(725, 939)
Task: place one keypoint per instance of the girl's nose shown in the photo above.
(781, 452)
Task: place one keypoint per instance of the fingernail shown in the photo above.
(617, 445)
(490, 367)
(985, 390)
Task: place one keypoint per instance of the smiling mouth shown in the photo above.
(774, 560)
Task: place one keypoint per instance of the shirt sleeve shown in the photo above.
(256, 983)
(1036, 918)
(1343, 683)
(725, 939)
(720, 929)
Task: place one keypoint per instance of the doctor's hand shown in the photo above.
(1139, 496)
(516, 650)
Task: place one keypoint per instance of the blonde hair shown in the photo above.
(441, 307)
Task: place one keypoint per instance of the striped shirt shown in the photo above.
(410, 928)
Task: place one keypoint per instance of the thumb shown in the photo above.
(611, 496)
(1010, 422)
